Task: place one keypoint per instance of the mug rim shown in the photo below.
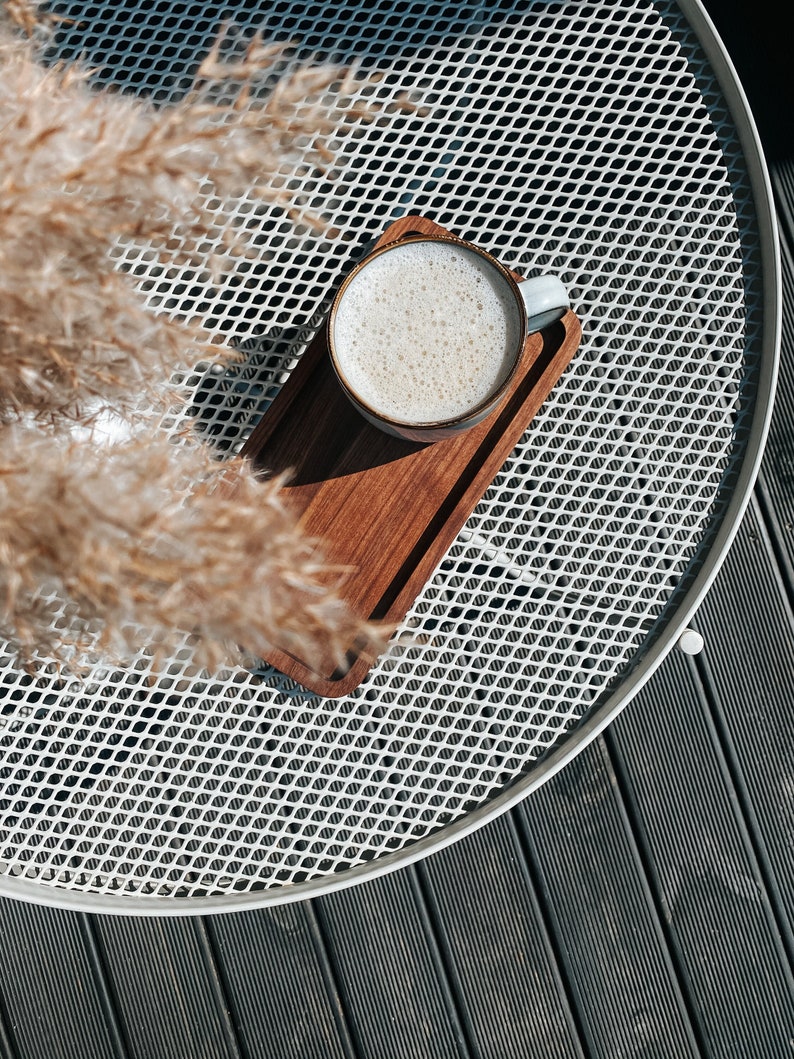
(482, 406)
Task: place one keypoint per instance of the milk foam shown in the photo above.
(425, 332)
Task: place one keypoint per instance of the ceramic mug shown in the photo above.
(426, 334)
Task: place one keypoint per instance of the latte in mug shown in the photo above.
(427, 332)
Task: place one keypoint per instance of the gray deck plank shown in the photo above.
(781, 172)
(389, 972)
(166, 989)
(278, 982)
(749, 667)
(6, 1051)
(775, 487)
(510, 996)
(54, 1000)
(609, 938)
(720, 923)
(748, 623)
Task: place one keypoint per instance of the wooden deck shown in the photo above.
(641, 903)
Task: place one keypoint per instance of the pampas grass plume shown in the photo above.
(106, 548)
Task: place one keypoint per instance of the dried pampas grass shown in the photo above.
(105, 549)
(84, 170)
(101, 548)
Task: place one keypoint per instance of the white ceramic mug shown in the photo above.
(426, 334)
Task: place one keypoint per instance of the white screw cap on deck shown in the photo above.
(690, 642)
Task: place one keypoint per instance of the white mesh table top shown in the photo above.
(591, 140)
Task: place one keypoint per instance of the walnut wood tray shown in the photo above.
(385, 508)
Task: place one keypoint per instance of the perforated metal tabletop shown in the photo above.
(607, 142)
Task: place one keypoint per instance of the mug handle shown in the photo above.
(546, 300)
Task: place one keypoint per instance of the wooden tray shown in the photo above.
(388, 509)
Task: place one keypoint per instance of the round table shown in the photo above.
(607, 142)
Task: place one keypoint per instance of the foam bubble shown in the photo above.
(415, 343)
